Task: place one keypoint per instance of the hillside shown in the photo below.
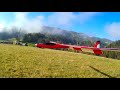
(20, 62)
(70, 33)
(63, 36)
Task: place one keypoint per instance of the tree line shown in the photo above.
(115, 44)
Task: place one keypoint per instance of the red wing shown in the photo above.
(99, 50)
(77, 48)
(73, 46)
(109, 48)
(95, 50)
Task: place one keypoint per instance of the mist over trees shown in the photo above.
(13, 32)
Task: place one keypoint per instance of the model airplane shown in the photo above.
(96, 49)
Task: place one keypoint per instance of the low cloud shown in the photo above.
(113, 29)
(66, 20)
(1, 26)
(30, 25)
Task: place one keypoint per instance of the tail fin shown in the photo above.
(97, 44)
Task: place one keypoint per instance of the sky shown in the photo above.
(98, 24)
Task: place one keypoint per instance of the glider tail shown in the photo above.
(97, 44)
(97, 51)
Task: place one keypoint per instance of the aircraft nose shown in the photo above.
(36, 45)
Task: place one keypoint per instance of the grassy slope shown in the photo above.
(22, 61)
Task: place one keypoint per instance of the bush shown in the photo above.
(112, 54)
(31, 44)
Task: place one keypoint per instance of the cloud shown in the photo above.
(61, 19)
(20, 19)
(1, 26)
(30, 25)
(113, 29)
(67, 19)
(86, 16)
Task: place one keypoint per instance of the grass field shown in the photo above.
(31, 62)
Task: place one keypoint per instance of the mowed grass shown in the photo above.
(31, 62)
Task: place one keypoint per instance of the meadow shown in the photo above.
(31, 62)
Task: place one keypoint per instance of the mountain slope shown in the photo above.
(71, 34)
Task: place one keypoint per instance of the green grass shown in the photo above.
(31, 44)
(31, 62)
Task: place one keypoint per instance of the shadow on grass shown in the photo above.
(102, 72)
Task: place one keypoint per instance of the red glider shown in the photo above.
(96, 49)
